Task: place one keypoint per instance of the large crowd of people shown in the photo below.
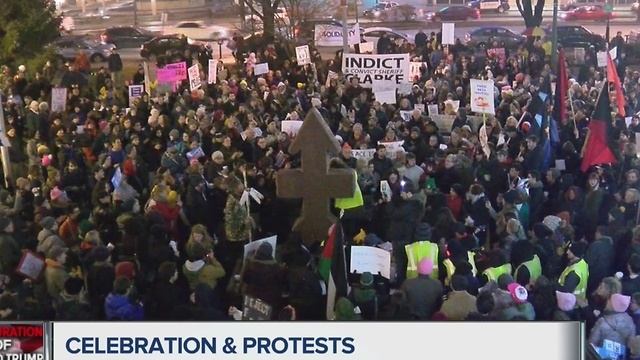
(137, 209)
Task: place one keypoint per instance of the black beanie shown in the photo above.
(578, 249)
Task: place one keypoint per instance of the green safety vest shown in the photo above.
(534, 266)
(418, 251)
(582, 270)
(353, 202)
(493, 273)
(451, 269)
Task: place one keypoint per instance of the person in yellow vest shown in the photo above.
(418, 251)
(456, 254)
(498, 266)
(528, 267)
(575, 276)
(351, 208)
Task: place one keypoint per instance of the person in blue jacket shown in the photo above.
(118, 304)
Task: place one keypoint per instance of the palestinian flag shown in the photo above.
(596, 150)
(333, 267)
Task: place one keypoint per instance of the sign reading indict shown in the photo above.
(255, 309)
(377, 70)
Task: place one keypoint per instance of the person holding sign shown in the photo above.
(263, 277)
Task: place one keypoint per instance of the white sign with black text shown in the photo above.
(377, 70)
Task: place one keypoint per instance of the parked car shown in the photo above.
(454, 13)
(574, 4)
(69, 49)
(127, 36)
(587, 13)
(372, 35)
(577, 36)
(488, 34)
(498, 6)
(161, 44)
(391, 10)
(198, 30)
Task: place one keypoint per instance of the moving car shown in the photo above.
(127, 36)
(455, 13)
(576, 36)
(391, 10)
(572, 5)
(488, 34)
(587, 13)
(372, 35)
(70, 48)
(198, 30)
(498, 6)
(161, 44)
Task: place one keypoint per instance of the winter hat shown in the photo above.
(541, 230)
(56, 193)
(47, 222)
(505, 280)
(73, 285)
(55, 252)
(46, 160)
(620, 303)
(525, 127)
(346, 146)
(172, 198)
(425, 267)
(103, 125)
(518, 293)
(372, 240)
(125, 269)
(264, 252)
(578, 249)
(174, 134)
(565, 301)
(552, 222)
(100, 253)
(344, 309)
(84, 226)
(366, 279)
(42, 150)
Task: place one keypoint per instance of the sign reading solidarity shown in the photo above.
(377, 70)
(315, 183)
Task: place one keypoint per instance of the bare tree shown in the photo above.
(282, 16)
(532, 15)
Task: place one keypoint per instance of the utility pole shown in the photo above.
(554, 40)
(135, 12)
(345, 27)
(4, 149)
(608, 9)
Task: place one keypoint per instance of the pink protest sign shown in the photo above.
(166, 75)
(180, 70)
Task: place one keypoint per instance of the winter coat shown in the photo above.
(55, 276)
(423, 296)
(9, 254)
(72, 308)
(201, 271)
(47, 240)
(119, 307)
(265, 280)
(617, 327)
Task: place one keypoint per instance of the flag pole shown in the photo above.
(586, 141)
(573, 112)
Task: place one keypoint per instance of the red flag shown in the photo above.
(596, 150)
(612, 75)
(562, 89)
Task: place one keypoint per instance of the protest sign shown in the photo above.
(252, 247)
(260, 69)
(448, 33)
(303, 55)
(194, 78)
(135, 91)
(58, 99)
(374, 70)
(213, 72)
(291, 127)
(180, 70)
(30, 265)
(371, 259)
(255, 309)
(482, 96)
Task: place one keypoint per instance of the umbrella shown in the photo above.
(534, 32)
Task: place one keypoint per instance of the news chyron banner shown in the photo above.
(329, 340)
(24, 341)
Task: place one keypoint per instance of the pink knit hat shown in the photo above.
(620, 303)
(46, 160)
(518, 293)
(193, 161)
(56, 193)
(566, 301)
(425, 267)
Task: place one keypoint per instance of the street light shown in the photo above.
(220, 42)
(554, 29)
(608, 9)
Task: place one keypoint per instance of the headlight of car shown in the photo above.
(377, 13)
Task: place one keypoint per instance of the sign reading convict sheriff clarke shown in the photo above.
(377, 71)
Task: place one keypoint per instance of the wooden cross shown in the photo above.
(315, 183)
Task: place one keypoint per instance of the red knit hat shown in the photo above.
(126, 269)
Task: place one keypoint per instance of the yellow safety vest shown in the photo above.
(451, 269)
(534, 266)
(353, 202)
(418, 251)
(494, 273)
(582, 270)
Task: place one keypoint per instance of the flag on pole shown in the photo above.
(612, 75)
(333, 267)
(596, 150)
